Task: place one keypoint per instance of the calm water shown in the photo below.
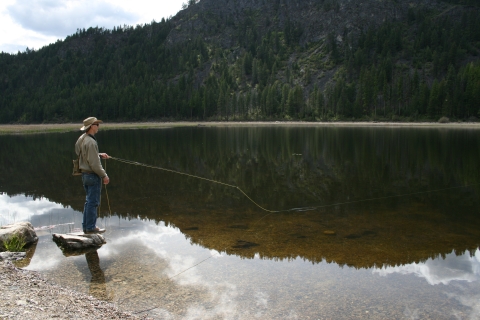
(394, 233)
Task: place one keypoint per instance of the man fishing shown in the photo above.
(93, 173)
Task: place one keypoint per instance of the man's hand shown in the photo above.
(106, 180)
(104, 156)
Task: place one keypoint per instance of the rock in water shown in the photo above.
(75, 241)
(24, 229)
(242, 244)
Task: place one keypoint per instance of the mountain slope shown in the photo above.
(250, 60)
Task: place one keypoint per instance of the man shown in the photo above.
(92, 172)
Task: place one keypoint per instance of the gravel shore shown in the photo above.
(26, 295)
(70, 127)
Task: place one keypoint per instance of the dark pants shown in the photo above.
(93, 186)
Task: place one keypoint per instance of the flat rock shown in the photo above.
(24, 229)
(75, 241)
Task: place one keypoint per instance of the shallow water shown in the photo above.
(394, 232)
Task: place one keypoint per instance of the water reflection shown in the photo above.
(155, 267)
(98, 288)
(280, 168)
(182, 247)
(30, 252)
(22, 208)
(451, 267)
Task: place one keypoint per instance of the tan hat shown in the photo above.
(87, 123)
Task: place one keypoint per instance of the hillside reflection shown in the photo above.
(436, 270)
(280, 168)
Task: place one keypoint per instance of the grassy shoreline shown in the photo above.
(70, 127)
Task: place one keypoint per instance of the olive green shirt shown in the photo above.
(86, 149)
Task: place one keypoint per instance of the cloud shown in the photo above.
(60, 18)
(12, 48)
(436, 271)
(37, 23)
(22, 208)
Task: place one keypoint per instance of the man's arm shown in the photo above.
(93, 158)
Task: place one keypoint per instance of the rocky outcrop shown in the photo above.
(220, 21)
(24, 229)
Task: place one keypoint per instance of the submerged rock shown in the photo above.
(239, 226)
(24, 229)
(242, 244)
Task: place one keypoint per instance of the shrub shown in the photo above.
(15, 243)
(444, 120)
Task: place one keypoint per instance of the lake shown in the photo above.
(269, 222)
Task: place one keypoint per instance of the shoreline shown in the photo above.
(26, 294)
(73, 127)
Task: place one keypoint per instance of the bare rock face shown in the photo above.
(24, 229)
(219, 20)
(76, 241)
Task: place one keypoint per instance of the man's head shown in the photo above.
(90, 125)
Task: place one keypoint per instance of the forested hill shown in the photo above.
(229, 60)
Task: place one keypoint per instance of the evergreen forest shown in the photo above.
(243, 61)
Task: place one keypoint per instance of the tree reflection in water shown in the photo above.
(280, 168)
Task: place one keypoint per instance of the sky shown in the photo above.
(37, 23)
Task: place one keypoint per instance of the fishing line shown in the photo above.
(52, 226)
(108, 201)
(197, 177)
(302, 209)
